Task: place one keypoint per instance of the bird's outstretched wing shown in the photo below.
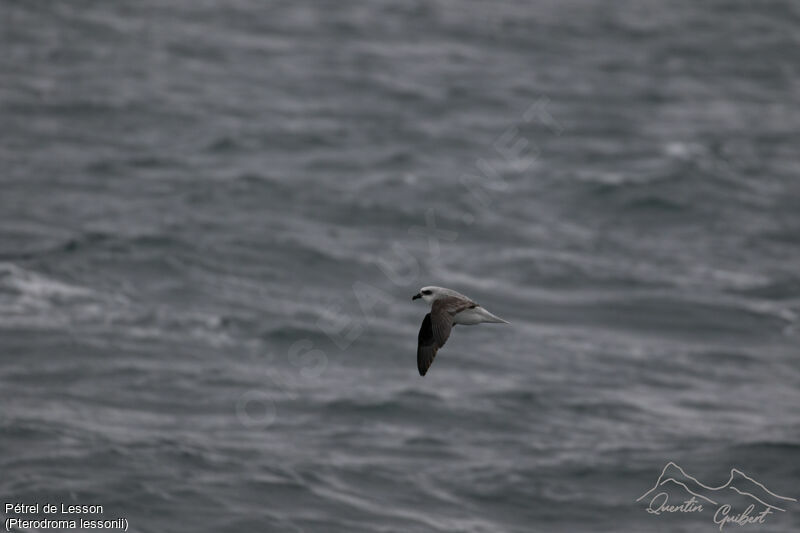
(436, 328)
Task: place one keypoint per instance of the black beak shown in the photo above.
(416, 296)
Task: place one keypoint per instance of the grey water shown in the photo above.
(213, 216)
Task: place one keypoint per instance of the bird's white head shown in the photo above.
(429, 294)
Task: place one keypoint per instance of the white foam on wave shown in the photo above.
(30, 299)
(32, 284)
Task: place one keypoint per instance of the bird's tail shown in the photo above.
(489, 317)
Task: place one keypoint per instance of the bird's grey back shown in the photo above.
(450, 293)
(451, 304)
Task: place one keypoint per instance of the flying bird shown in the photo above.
(448, 308)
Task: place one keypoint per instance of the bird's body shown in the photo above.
(448, 308)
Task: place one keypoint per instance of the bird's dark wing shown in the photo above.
(436, 328)
(431, 337)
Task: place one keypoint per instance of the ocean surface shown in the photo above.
(213, 217)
